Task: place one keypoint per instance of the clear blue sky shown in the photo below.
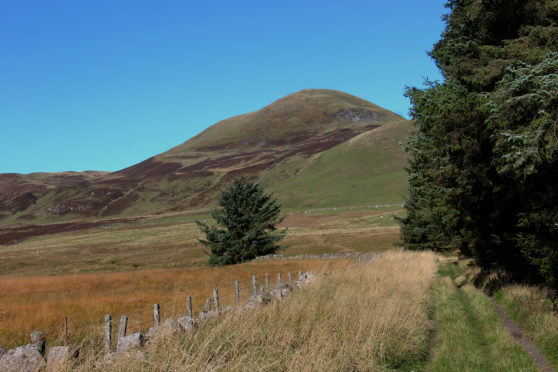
(104, 84)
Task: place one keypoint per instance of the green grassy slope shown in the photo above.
(365, 170)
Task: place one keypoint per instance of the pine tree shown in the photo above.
(483, 165)
(246, 225)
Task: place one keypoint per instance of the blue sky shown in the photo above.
(104, 84)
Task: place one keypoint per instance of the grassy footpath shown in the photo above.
(532, 309)
(470, 335)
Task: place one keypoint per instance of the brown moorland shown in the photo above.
(128, 261)
(170, 242)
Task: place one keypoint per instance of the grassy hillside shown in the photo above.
(171, 242)
(367, 169)
(287, 120)
(292, 146)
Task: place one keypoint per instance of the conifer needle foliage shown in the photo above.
(483, 169)
(246, 225)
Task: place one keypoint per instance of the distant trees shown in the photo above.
(483, 171)
(247, 220)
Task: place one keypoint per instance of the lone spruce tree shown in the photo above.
(246, 225)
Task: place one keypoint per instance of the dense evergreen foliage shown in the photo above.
(248, 220)
(483, 172)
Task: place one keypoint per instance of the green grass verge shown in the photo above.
(532, 309)
(470, 335)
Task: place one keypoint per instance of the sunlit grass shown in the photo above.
(172, 243)
(534, 311)
(40, 303)
(470, 335)
(368, 317)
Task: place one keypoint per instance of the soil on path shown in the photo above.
(522, 340)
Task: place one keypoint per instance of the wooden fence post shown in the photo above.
(278, 280)
(65, 331)
(290, 279)
(266, 281)
(236, 293)
(122, 326)
(189, 305)
(299, 274)
(255, 285)
(208, 305)
(216, 298)
(156, 315)
(108, 331)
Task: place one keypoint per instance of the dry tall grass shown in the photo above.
(364, 317)
(40, 303)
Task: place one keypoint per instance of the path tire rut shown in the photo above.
(522, 340)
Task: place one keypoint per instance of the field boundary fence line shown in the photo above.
(223, 298)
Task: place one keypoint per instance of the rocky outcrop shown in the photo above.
(283, 290)
(22, 359)
(60, 357)
(130, 342)
(188, 324)
(204, 315)
(356, 115)
(64, 208)
(304, 279)
(169, 327)
(38, 341)
(260, 299)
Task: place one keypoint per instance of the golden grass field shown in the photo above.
(125, 269)
(41, 302)
(364, 317)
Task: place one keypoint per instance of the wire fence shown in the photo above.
(224, 296)
(142, 320)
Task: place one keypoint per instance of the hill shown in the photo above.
(291, 146)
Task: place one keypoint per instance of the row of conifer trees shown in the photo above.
(483, 170)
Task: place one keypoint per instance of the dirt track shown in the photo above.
(522, 340)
